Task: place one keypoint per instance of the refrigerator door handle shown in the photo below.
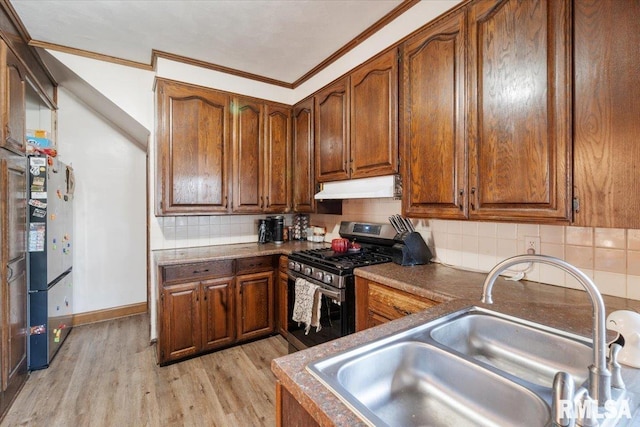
(9, 273)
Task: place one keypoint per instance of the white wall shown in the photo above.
(109, 209)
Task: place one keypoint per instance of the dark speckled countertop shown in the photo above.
(563, 308)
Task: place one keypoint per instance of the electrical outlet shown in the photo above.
(532, 244)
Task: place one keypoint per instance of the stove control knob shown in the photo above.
(328, 278)
(308, 271)
(292, 265)
(318, 275)
(296, 266)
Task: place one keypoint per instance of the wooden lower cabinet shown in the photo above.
(377, 303)
(206, 306)
(282, 297)
(218, 312)
(254, 293)
(181, 322)
(289, 412)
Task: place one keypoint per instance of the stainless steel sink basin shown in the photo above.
(529, 351)
(474, 367)
(415, 384)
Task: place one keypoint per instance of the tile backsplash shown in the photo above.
(173, 232)
(611, 257)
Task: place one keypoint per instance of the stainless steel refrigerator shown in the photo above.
(50, 261)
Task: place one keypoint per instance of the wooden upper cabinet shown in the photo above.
(332, 132)
(519, 110)
(192, 149)
(248, 164)
(432, 120)
(277, 158)
(12, 88)
(304, 182)
(606, 113)
(374, 117)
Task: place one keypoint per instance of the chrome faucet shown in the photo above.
(599, 375)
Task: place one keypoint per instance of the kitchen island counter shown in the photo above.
(562, 308)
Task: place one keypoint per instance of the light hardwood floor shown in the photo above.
(106, 375)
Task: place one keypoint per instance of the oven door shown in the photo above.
(337, 317)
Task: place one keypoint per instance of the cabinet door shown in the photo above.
(607, 112)
(254, 294)
(277, 155)
(303, 175)
(519, 109)
(218, 328)
(283, 297)
(377, 303)
(332, 132)
(192, 150)
(14, 107)
(181, 322)
(14, 274)
(374, 118)
(248, 165)
(432, 130)
(16, 309)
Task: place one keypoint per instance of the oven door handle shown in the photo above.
(331, 294)
(334, 295)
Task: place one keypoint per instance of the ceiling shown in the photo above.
(277, 39)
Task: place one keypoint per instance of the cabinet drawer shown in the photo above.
(393, 303)
(197, 271)
(251, 265)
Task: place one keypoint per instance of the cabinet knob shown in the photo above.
(461, 205)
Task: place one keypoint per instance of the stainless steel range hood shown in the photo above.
(363, 188)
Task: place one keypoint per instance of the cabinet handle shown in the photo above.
(206, 270)
(261, 202)
(267, 201)
(226, 202)
(461, 200)
(401, 310)
(473, 194)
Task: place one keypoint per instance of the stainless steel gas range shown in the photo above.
(333, 273)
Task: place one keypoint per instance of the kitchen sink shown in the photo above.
(473, 367)
(413, 383)
(527, 350)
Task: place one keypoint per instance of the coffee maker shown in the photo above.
(271, 229)
(275, 224)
